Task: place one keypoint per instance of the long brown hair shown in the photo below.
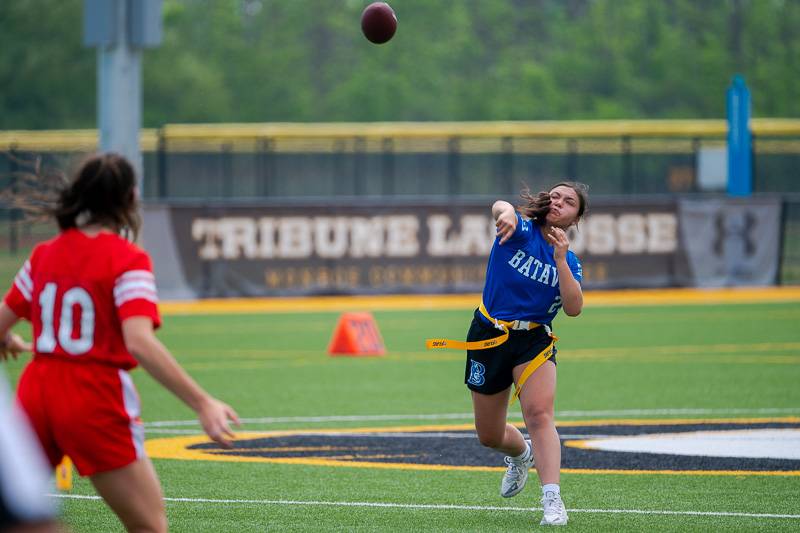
(102, 191)
(536, 206)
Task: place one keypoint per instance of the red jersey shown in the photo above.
(76, 290)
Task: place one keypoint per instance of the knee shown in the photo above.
(538, 416)
(490, 439)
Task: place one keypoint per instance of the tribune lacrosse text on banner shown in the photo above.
(271, 250)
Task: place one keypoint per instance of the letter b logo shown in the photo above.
(476, 372)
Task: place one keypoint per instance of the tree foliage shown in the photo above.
(306, 60)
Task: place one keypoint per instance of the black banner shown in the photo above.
(307, 249)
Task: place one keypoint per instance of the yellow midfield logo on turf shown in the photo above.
(767, 446)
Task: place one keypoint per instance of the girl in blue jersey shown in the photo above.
(531, 274)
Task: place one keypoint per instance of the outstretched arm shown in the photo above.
(505, 218)
(159, 363)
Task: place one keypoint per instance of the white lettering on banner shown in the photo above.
(205, 230)
(662, 230)
(628, 233)
(437, 227)
(366, 236)
(577, 237)
(294, 237)
(330, 235)
(238, 237)
(632, 234)
(266, 229)
(302, 237)
(401, 236)
(475, 237)
(298, 237)
(602, 237)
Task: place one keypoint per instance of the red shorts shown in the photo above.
(87, 411)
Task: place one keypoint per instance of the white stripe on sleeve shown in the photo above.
(24, 282)
(135, 275)
(136, 294)
(135, 284)
(24, 290)
(24, 275)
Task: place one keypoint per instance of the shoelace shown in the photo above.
(514, 468)
(553, 504)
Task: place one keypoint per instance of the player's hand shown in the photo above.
(13, 345)
(214, 416)
(506, 225)
(558, 238)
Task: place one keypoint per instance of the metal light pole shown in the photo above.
(120, 29)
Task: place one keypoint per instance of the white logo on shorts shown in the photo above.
(476, 372)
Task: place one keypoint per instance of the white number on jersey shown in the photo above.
(46, 342)
(556, 305)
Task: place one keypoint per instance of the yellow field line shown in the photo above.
(469, 301)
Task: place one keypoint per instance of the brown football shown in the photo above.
(378, 22)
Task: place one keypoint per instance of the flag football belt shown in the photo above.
(505, 326)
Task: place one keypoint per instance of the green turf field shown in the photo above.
(699, 362)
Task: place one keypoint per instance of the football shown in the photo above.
(378, 22)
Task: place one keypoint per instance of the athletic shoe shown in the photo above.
(516, 475)
(554, 512)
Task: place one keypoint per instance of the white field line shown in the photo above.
(468, 416)
(450, 507)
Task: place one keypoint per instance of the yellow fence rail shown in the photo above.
(477, 137)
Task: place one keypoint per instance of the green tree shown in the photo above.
(47, 78)
(306, 60)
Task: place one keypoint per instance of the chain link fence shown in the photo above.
(281, 162)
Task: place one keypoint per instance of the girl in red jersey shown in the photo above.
(91, 297)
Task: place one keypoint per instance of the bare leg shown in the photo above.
(490, 423)
(134, 494)
(536, 400)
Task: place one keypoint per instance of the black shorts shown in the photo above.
(490, 371)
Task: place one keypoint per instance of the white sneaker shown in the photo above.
(554, 512)
(516, 475)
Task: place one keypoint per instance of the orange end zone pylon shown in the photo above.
(356, 334)
(64, 474)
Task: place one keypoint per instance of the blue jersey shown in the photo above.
(522, 279)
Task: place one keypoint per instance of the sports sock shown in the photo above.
(524, 456)
(552, 488)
